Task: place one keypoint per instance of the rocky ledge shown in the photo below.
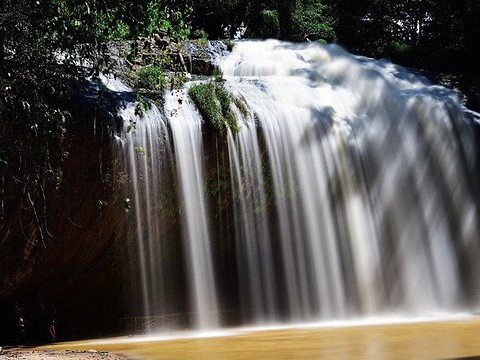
(192, 59)
(26, 354)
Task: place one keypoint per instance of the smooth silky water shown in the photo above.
(349, 192)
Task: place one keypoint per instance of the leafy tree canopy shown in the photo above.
(424, 33)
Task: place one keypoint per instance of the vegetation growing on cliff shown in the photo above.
(152, 77)
(216, 103)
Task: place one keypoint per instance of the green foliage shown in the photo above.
(121, 31)
(152, 77)
(116, 20)
(310, 20)
(219, 181)
(264, 26)
(177, 79)
(230, 44)
(140, 107)
(215, 104)
(201, 36)
(397, 49)
(240, 105)
(427, 33)
(294, 20)
(141, 150)
(167, 203)
(218, 75)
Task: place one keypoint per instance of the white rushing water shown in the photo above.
(350, 192)
(147, 158)
(372, 186)
(185, 122)
(144, 155)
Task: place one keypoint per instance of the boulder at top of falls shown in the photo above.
(203, 58)
(200, 58)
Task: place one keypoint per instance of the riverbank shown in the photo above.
(27, 354)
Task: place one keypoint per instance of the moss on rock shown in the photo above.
(215, 103)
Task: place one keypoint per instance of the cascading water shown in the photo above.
(145, 156)
(185, 122)
(350, 192)
(372, 194)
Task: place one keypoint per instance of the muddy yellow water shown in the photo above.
(425, 340)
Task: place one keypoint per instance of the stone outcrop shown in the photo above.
(81, 260)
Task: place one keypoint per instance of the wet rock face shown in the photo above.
(70, 245)
(194, 57)
(202, 59)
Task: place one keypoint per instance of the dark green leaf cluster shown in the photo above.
(285, 19)
(215, 104)
(267, 26)
(167, 204)
(95, 20)
(141, 105)
(311, 20)
(152, 77)
(438, 34)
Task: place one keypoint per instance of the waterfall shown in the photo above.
(348, 191)
(145, 155)
(153, 168)
(185, 122)
(370, 166)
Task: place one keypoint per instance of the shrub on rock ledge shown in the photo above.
(216, 103)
